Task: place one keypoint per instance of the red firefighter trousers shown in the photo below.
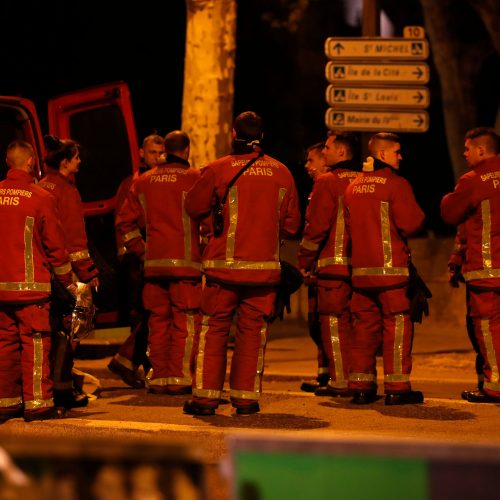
(173, 326)
(24, 357)
(381, 316)
(485, 313)
(314, 325)
(253, 306)
(333, 307)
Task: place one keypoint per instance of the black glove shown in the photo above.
(417, 293)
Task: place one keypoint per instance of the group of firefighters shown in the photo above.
(226, 222)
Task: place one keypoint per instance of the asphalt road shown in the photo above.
(443, 367)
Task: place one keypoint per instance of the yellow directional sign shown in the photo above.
(381, 97)
(375, 121)
(397, 73)
(376, 48)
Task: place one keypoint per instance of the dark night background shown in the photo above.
(54, 47)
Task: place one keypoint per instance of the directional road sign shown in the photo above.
(376, 48)
(399, 73)
(375, 121)
(380, 97)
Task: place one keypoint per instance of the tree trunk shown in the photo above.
(207, 106)
(458, 65)
(489, 11)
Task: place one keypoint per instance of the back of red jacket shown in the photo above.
(70, 208)
(172, 247)
(261, 208)
(325, 240)
(382, 214)
(32, 241)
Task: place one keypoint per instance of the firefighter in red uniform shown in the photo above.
(382, 214)
(325, 246)
(172, 264)
(475, 202)
(63, 161)
(455, 276)
(32, 244)
(241, 264)
(315, 166)
(132, 353)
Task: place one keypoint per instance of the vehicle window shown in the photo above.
(106, 159)
(14, 125)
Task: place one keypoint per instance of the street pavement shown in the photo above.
(443, 366)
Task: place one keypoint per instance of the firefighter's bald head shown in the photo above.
(20, 155)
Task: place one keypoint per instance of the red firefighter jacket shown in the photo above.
(121, 196)
(261, 208)
(476, 203)
(32, 241)
(172, 247)
(69, 206)
(382, 214)
(457, 256)
(325, 237)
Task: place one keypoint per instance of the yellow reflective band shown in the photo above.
(188, 349)
(337, 354)
(490, 350)
(486, 235)
(483, 274)
(281, 196)
(396, 377)
(380, 271)
(130, 236)
(169, 381)
(309, 245)
(63, 269)
(399, 327)
(362, 377)
(24, 287)
(207, 393)
(186, 224)
(331, 261)
(6, 402)
(260, 359)
(200, 358)
(492, 386)
(233, 221)
(323, 370)
(28, 250)
(83, 254)
(240, 265)
(38, 403)
(244, 394)
(339, 231)
(386, 233)
(172, 263)
(37, 366)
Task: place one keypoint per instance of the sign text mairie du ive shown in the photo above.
(369, 121)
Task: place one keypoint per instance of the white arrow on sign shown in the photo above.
(376, 121)
(400, 73)
(381, 97)
(376, 48)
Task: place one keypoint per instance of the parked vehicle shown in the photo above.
(101, 120)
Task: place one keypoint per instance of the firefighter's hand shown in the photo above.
(455, 275)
